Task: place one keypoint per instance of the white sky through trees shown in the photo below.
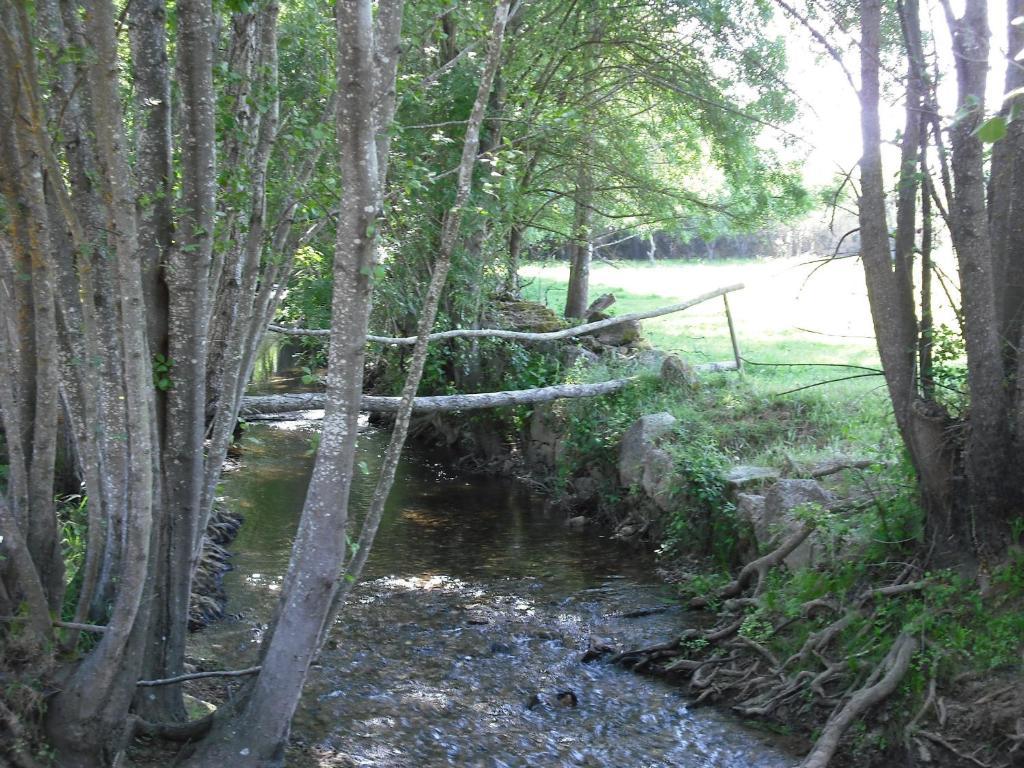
(829, 110)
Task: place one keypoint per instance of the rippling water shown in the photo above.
(471, 621)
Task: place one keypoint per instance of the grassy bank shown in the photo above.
(795, 647)
(798, 326)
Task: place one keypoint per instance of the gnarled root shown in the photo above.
(881, 684)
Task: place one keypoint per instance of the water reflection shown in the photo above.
(473, 616)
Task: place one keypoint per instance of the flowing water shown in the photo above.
(467, 632)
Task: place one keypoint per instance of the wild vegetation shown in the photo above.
(176, 176)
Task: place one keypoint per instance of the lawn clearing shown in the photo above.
(791, 313)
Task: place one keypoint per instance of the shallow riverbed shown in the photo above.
(472, 618)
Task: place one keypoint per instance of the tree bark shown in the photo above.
(580, 246)
(257, 734)
(891, 309)
(449, 235)
(993, 489)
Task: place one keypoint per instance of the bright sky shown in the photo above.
(830, 118)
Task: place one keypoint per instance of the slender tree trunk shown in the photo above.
(925, 363)
(449, 235)
(91, 708)
(580, 247)
(257, 734)
(993, 488)
(921, 426)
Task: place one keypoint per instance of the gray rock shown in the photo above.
(658, 479)
(749, 513)
(579, 356)
(620, 335)
(580, 521)
(743, 476)
(750, 509)
(626, 531)
(650, 358)
(640, 438)
(779, 519)
(677, 372)
(544, 436)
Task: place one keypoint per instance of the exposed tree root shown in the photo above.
(727, 662)
(175, 731)
(882, 683)
(13, 751)
(759, 568)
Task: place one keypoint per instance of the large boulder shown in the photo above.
(749, 513)
(574, 355)
(620, 335)
(676, 372)
(780, 519)
(544, 440)
(658, 478)
(643, 436)
(529, 316)
(744, 477)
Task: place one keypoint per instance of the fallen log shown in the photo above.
(311, 401)
(496, 333)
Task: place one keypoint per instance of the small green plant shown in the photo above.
(162, 367)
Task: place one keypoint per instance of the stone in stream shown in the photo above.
(580, 521)
(596, 648)
(566, 698)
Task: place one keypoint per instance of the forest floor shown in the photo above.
(795, 648)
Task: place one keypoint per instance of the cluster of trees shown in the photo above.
(165, 168)
(968, 463)
(170, 172)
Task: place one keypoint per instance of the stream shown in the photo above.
(462, 641)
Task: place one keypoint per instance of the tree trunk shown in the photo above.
(580, 247)
(257, 734)
(920, 425)
(993, 490)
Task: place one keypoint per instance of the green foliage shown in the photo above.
(993, 129)
(162, 367)
(72, 514)
(949, 358)
(704, 520)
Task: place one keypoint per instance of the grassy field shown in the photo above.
(797, 325)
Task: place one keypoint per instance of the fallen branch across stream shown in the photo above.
(199, 676)
(496, 333)
(310, 401)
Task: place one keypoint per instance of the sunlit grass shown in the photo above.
(790, 314)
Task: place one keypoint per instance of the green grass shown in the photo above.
(789, 315)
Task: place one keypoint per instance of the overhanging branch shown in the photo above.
(566, 333)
